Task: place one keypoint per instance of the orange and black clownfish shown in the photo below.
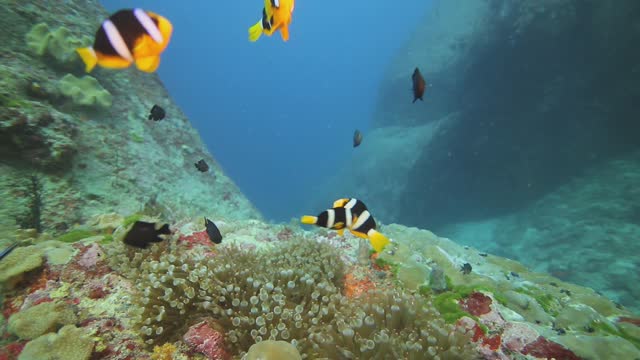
(353, 215)
(418, 85)
(276, 15)
(128, 36)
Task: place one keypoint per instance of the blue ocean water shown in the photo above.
(279, 117)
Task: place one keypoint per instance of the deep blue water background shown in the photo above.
(279, 117)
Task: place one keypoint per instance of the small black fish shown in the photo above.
(202, 166)
(357, 138)
(8, 250)
(466, 268)
(212, 231)
(157, 113)
(143, 233)
(418, 85)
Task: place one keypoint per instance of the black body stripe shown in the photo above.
(322, 219)
(368, 225)
(358, 208)
(340, 216)
(265, 22)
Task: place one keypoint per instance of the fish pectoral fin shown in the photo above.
(341, 232)
(338, 226)
(255, 31)
(284, 32)
(359, 234)
(148, 64)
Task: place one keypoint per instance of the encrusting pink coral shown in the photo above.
(202, 338)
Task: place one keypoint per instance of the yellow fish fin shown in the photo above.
(309, 220)
(341, 232)
(378, 241)
(284, 32)
(340, 202)
(148, 64)
(89, 58)
(339, 225)
(255, 31)
(359, 234)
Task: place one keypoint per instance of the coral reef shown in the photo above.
(309, 295)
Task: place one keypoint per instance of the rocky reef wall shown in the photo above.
(541, 91)
(73, 145)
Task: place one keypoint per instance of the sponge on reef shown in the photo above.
(273, 350)
(70, 343)
(41, 319)
(84, 91)
(58, 43)
(18, 262)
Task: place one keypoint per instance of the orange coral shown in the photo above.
(354, 287)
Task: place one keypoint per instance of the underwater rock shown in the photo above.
(204, 339)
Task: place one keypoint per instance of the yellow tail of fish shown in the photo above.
(255, 31)
(378, 241)
(309, 220)
(89, 58)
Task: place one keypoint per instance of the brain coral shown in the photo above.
(292, 292)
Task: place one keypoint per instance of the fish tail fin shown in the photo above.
(255, 31)
(284, 32)
(148, 64)
(88, 56)
(378, 241)
(309, 220)
(164, 229)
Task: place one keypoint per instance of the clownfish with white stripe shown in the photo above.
(276, 15)
(126, 37)
(351, 214)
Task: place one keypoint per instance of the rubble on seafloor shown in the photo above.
(287, 293)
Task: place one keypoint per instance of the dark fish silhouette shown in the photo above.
(143, 233)
(202, 166)
(466, 269)
(357, 138)
(157, 113)
(7, 250)
(212, 231)
(418, 85)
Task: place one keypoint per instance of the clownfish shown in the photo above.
(128, 36)
(276, 15)
(353, 215)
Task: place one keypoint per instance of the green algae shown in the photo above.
(131, 219)
(136, 138)
(107, 239)
(545, 300)
(75, 235)
(607, 328)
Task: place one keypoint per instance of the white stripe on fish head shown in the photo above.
(350, 204)
(276, 3)
(147, 23)
(361, 219)
(116, 40)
